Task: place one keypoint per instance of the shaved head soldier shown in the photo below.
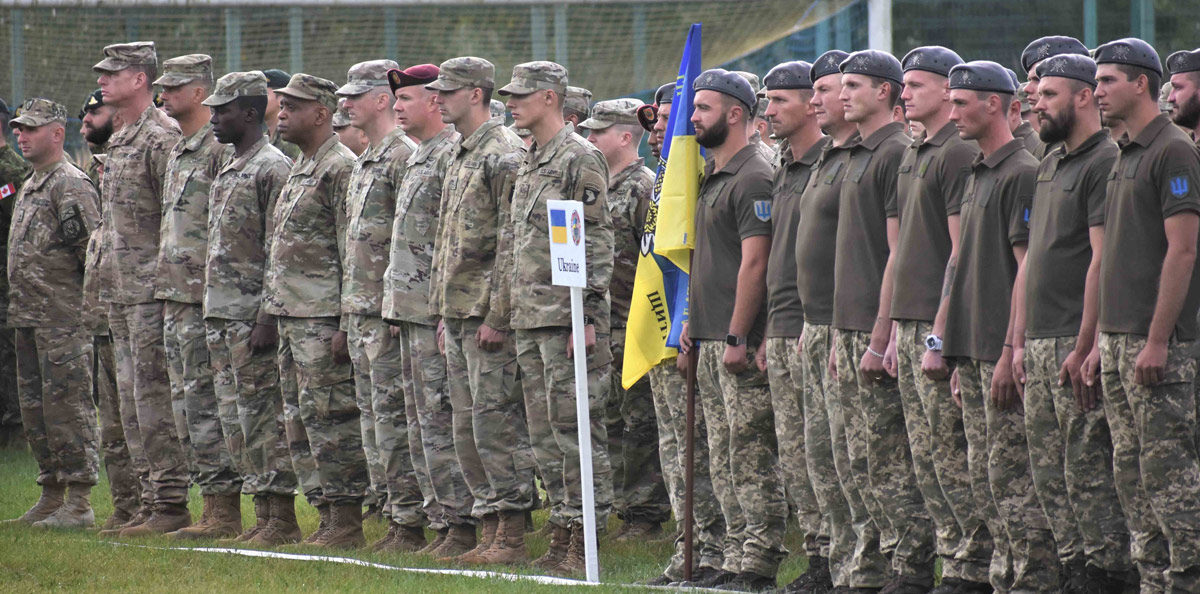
(1149, 294)
(1069, 445)
(1184, 96)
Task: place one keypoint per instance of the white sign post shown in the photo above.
(568, 264)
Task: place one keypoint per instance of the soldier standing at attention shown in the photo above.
(206, 422)
(1149, 294)
(559, 165)
(406, 305)
(277, 79)
(241, 336)
(1184, 96)
(13, 170)
(370, 204)
(726, 323)
(134, 179)
(54, 213)
(352, 137)
(303, 292)
(577, 106)
(1035, 53)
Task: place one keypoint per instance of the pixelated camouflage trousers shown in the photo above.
(122, 479)
(939, 452)
(639, 493)
(251, 381)
(1024, 557)
(427, 395)
(323, 391)
(54, 378)
(491, 435)
(881, 460)
(1156, 466)
(199, 413)
(150, 431)
(785, 373)
(669, 389)
(383, 415)
(743, 460)
(548, 382)
(1071, 456)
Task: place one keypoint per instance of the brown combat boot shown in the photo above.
(118, 518)
(75, 512)
(224, 519)
(322, 526)
(143, 513)
(560, 539)
(508, 547)
(166, 517)
(345, 528)
(572, 563)
(282, 527)
(436, 542)
(51, 499)
(459, 540)
(401, 539)
(262, 515)
(639, 531)
(490, 523)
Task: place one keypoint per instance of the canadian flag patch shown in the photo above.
(7, 190)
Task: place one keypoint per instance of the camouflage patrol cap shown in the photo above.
(534, 76)
(120, 56)
(1130, 51)
(341, 119)
(1023, 99)
(875, 63)
(1164, 105)
(1073, 66)
(186, 69)
(497, 109)
(931, 58)
(237, 84)
(93, 101)
(578, 100)
(39, 112)
(1046, 47)
(613, 111)
(664, 94)
(307, 87)
(467, 71)
(366, 76)
(521, 132)
(829, 63)
(755, 83)
(1183, 61)
(789, 75)
(727, 83)
(982, 75)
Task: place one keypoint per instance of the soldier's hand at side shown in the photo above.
(891, 363)
(589, 340)
(490, 339)
(1090, 373)
(1150, 365)
(870, 367)
(394, 331)
(800, 344)
(1071, 371)
(934, 366)
(263, 337)
(681, 364)
(955, 393)
(341, 352)
(685, 341)
(831, 367)
(441, 338)
(734, 359)
(1018, 370)
(760, 357)
(1004, 388)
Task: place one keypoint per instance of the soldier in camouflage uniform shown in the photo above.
(277, 79)
(558, 165)
(639, 494)
(13, 170)
(379, 374)
(577, 105)
(54, 213)
(135, 175)
(406, 304)
(468, 291)
(303, 292)
(241, 337)
(206, 419)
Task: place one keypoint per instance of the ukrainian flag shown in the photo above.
(660, 287)
(558, 226)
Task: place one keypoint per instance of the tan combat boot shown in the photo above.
(560, 539)
(51, 499)
(572, 563)
(322, 526)
(118, 518)
(166, 517)
(459, 540)
(217, 520)
(282, 527)
(436, 542)
(490, 523)
(345, 528)
(75, 512)
(262, 515)
(384, 543)
(138, 518)
(401, 539)
(509, 545)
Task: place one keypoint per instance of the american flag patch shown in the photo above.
(7, 190)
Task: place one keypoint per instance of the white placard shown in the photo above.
(568, 263)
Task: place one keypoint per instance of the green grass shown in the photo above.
(34, 561)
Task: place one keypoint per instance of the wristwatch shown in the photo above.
(933, 342)
(734, 340)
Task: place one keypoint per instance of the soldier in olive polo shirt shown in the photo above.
(727, 319)
(1068, 435)
(974, 317)
(932, 175)
(1149, 294)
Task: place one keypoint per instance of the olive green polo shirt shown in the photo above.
(816, 235)
(785, 312)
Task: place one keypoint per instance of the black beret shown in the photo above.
(931, 58)
(727, 83)
(276, 78)
(94, 99)
(1013, 75)
(1131, 51)
(789, 75)
(1081, 68)
(982, 75)
(664, 94)
(873, 63)
(830, 62)
(1045, 47)
(1184, 61)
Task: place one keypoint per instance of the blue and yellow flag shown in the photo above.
(660, 287)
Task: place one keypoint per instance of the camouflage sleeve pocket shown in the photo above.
(71, 225)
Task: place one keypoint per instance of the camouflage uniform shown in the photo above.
(241, 202)
(53, 215)
(406, 301)
(467, 289)
(13, 170)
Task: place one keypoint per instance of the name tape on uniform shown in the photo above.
(568, 261)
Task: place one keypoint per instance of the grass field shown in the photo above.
(34, 561)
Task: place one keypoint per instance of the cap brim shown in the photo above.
(512, 89)
(176, 80)
(110, 65)
(594, 124)
(442, 84)
(290, 92)
(352, 90)
(217, 100)
(28, 121)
